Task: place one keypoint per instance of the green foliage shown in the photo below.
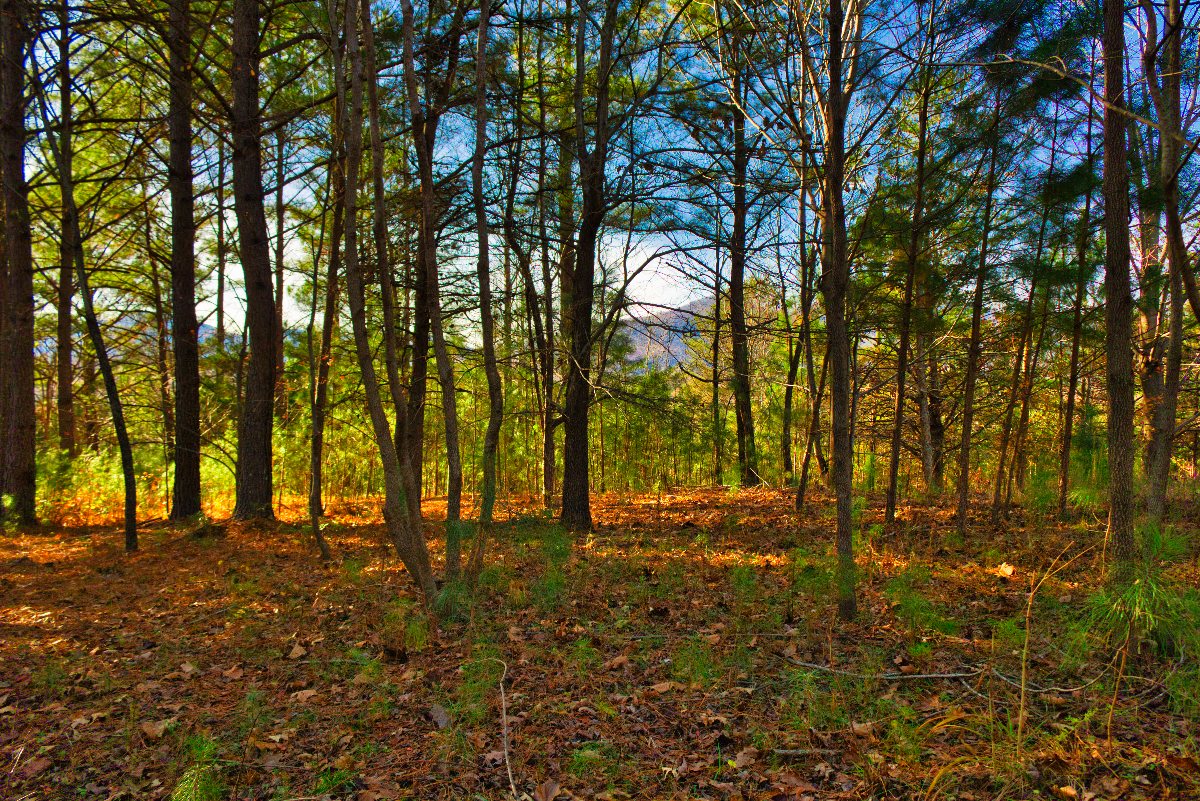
(584, 657)
(405, 626)
(202, 779)
(547, 591)
(480, 684)
(693, 663)
(595, 760)
(743, 580)
(331, 780)
(1148, 602)
(50, 679)
(912, 607)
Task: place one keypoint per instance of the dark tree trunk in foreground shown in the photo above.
(1118, 306)
(19, 413)
(184, 328)
(576, 503)
(835, 281)
(257, 419)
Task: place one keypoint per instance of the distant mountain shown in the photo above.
(658, 336)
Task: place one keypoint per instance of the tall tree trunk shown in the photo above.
(1164, 83)
(280, 220)
(66, 282)
(58, 148)
(184, 327)
(1118, 308)
(20, 413)
(739, 333)
(715, 401)
(257, 420)
(975, 346)
(219, 330)
(913, 254)
(1082, 274)
(491, 437)
(835, 280)
(576, 503)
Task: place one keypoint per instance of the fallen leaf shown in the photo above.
(1005, 570)
(297, 651)
(234, 672)
(745, 757)
(546, 791)
(617, 662)
(1066, 791)
(862, 729)
(662, 687)
(304, 695)
(439, 715)
(36, 767)
(155, 729)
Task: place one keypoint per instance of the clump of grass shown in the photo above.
(584, 657)
(744, 583)
(405, 627)
(1148, 604)
(548, 590)
(50, 680)
(693, 663)
(595, 760)
(480, 680)
(912, 607)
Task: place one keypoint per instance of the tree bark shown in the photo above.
(184, 327)
(254, 452)
(20, 415)
(1118, 308)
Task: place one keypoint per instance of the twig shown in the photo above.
(512, 785)
(885, 676)
(803, 751)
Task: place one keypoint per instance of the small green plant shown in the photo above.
(453, 603)
(1010, 632)
(548, 590)
(744, 582)
(331, 780)
(913, 608)
(354, 568)
(251, 711)
(584, 657)
(50, 679)
(480, 684)
(202, 779)
(405, 627)
(594, 760)
(693, 663)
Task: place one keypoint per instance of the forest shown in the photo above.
(599, 399)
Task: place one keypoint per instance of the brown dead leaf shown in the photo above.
(661, 687)
(154, 729)
(1004, 570)
(746, 757)
(1066, 791)
(297, 651)
(439, 716)
(546, 791)
(36, 767)
(234, 672)
(617, 662)
(863, 729)
(304, 695)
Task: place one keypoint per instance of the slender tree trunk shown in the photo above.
(20, 413)
(58, 148)
(66, 281)
(219, 329)
(491, 438)
(739, 333)
(1164, 83)
(254, 480)
(576, 503)
(975, 346)
(913, 253)
(1082, 274)
(184, 327)
(1118, 308)
(715, 402)
(835, 280)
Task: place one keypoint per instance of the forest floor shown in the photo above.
(688, 648)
